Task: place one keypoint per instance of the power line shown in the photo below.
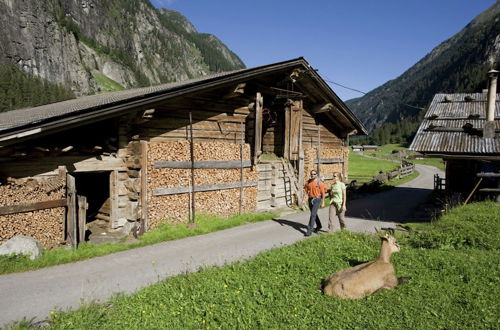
(364, 93)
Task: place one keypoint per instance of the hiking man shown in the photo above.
(315, 192)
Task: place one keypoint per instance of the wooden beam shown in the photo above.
(220, 186)
(329, 161)
(237, 91)
(259, 104)
(323, 108)
(22, 208)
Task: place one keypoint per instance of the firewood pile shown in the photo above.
(175, 208)
(46, 226)
(326, 170)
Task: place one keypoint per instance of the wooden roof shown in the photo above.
(453, 125)
(31, 122)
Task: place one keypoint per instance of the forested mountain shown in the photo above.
(85, 47)
(457, 65)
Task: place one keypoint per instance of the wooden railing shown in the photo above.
(439, 183)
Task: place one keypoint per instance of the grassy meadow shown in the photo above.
(453, 265)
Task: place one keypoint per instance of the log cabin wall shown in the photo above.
(219, 128)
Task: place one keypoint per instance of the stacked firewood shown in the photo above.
(326, 170)
(47, 226)
(175, 208)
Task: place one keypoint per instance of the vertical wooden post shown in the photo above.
(113, 199)
(144, 187)
(191, 149)
(259, 104)
(241, 169)
(300, 190)
(300, 169)
(82, 218)
(318, 150)
(71, 221)
(287, 133)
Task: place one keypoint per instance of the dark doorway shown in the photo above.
(95, 186)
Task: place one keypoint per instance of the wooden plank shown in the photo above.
(329, 160)
(71, 219)
(222, 164)
(295, 129)
(144, 188)
(226, 124)
(259, 104)
(488, 175)
(489, 189)
(220, 186)
(181, 133)
(82, 218)
(114, 189)
(22, 208)
(201, 112)
(191, 152)
(287, 133)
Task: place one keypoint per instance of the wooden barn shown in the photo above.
(463, 129)
(99, 167)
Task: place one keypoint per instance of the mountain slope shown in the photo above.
(89, 46)
(457, 65)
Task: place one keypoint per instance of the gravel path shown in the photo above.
(35, 294)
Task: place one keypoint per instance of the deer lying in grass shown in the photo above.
(362, 280)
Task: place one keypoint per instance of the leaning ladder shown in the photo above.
(290, 182)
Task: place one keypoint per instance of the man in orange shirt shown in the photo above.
(316, 192)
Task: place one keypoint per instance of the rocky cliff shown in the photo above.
(92, 46)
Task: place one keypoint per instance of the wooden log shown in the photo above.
(220, 186)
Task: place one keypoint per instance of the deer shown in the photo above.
(362, 280)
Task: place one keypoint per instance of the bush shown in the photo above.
(471, 226)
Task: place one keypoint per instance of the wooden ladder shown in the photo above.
(290, 182)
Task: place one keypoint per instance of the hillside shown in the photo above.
(95, 46)
(457, 65)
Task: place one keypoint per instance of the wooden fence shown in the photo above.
(406, 168)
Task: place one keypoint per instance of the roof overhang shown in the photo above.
(119, 103)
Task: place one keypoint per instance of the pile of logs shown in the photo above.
(326, 169)
(47, 225)
(175, 208)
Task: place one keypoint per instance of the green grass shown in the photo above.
(106, 84)
(386, 151)
(471, 226)
(436, 162)
(363, 169)
(204, 224)
(452, 287)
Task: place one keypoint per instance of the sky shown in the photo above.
(360, 44)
